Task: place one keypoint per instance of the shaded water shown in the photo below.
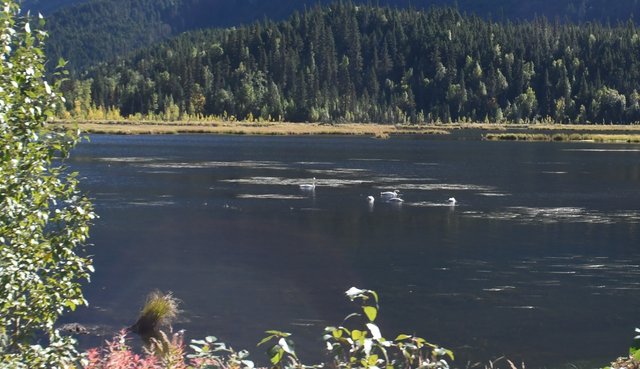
(539, 260)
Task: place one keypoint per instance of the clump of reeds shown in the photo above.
(560, 137)
(159, 310)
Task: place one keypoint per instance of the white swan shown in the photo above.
(371, 200)
(452, 201)
(309, 187)
(388, 195)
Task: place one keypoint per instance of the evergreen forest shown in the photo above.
(89, 31)
(379, 64)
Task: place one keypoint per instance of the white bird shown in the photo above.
(309, 187)
(371, 200)
(452, 201)
(388, 195)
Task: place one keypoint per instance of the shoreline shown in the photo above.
(482, 131)
(247, 128)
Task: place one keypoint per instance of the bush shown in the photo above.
(356, 344)
(44, 220)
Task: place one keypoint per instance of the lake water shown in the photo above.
(539, 260)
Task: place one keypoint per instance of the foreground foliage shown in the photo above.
(357, 343)
(44, 220)
(633, 360)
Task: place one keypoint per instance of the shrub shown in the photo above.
(359, 344)
(356, 344)
(118, 355)
(44, 220)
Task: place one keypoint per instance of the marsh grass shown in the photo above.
(159, 310)
(495, 131)
(242, 128)
(564, 137)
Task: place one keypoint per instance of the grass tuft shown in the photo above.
(159, 310)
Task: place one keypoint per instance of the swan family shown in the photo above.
(386, 196)
(391, 196)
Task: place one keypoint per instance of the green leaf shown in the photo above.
(371, 312)
(373, 360)
(450, 354)
(634, 349)
(357, 335)
(403, 337)
(275, 354)
(61, 63)
(265, 340)
(278, 333)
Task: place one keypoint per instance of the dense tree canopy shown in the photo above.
(47, 6)
(88, 31)
(381, 64)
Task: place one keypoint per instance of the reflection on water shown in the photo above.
(271, 196)
(525, 214)
(538, 260)
(282, 181)
(213, 165)
(442, 186)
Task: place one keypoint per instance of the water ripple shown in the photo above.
(271, 196)
(217, 164)
(525, 214)
(281, 181)
(444, 186)
(130, 159)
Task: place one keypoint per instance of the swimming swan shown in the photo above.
(371, 199)
(388, 195)
(452, 201)
(309, 187)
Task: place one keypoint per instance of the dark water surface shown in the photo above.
(538, 261)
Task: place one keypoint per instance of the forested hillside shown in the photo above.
(47, 6)
(99, 30)
(378, 64)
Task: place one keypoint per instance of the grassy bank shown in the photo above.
(565, 137)
(492, 131)
(244, 128)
